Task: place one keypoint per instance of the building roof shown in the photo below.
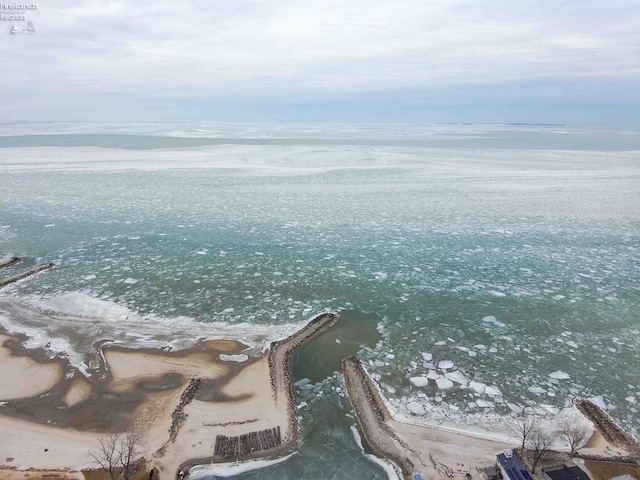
(513, 467)
(563, 472)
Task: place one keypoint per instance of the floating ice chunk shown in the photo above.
(559, 375)
(572, 344)
(90, 277)
(457, 377)
(389, 388)
(494, 320)
(445, 364)
(130, 281)
(485, 403)
(228, 310)
(480, 347)
(558, 297)
(440, 343)
(477, 387)
(432, 375)
(537, 390)
(472, 353)
(419, 381)
(427, 357)
(517, 409)
(493, 350)
(242, 357)
(302, 381)
(390, 356)
(551, 409)
(444, 383)
(379, 363)
(493, 391)
(631, 399)
(416, 408)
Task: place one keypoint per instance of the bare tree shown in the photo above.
(117, 453)
(523, 426)
(539, 443)
(129, 451)
(574, 431)
(108, 454)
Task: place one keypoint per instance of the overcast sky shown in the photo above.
(549, 61)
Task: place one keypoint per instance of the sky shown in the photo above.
(478, 61)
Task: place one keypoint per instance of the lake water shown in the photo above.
(510, 251)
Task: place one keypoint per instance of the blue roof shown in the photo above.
(514, 467)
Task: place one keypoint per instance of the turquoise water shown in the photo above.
(511, 251)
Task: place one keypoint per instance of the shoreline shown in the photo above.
(408, 444)
(183, 402)
(282, 392)
(212, 404)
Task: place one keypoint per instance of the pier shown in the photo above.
(373, 415)
(27, 273)
(9, 262)
(237, 444)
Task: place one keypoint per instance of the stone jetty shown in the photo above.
(608, 428)
(372, 416)
(9, 262)
(27, 273)
(280, 368)
(271, 442)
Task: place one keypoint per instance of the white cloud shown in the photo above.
(251, 47)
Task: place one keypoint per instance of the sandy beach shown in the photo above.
(212, 403)
(179, 402)
(438, 452)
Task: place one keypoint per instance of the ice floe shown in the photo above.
(559, 375)
(494, 320)
(444, 383)
(457, 377)
(445, 365)
(302, 381)
(493, 391)
(419, 381)
(416, 408)
(477, 387)
(536, 390)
